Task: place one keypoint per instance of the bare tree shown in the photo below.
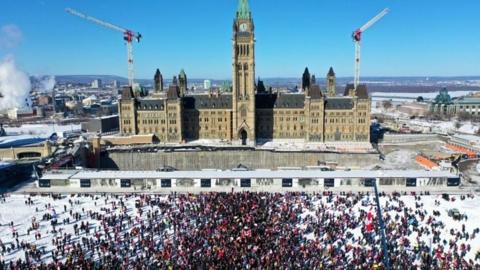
(433, 116)
(387, 104)
(464, 116)
(458, 124)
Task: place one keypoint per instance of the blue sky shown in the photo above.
(417, 38)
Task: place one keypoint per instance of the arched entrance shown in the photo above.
(243, 136)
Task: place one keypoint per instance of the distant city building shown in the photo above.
(115, 84)
(17, 113)
(44, 100)
(467, 104)
(248, 113)
(207, 84)
(90, 100)
(443, 104)
(102, 125)
(39, 112)
(96, 84)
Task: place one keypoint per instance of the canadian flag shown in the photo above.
(369, 223)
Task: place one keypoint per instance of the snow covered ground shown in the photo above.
(400, 159)
(444, 127)
(467, 207)
(294, 145)
(15, 210)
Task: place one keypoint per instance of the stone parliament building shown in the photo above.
(248, 113)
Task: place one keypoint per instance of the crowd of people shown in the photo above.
(235, 231)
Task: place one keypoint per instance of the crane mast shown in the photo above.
(128, 37)
(357, 38)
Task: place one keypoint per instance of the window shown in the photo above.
(287, 182)
(245, 182)
(205, 183)
(166, 183)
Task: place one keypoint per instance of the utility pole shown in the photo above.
(386, 258)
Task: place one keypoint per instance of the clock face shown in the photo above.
(243, 27)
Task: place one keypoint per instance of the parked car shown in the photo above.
(455, 214)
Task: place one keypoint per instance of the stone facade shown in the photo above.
(248, 113)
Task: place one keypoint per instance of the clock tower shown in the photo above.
(243, 79)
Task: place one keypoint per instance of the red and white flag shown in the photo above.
(369, 223)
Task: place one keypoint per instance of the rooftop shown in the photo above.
(280, 174)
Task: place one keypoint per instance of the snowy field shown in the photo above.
(445, 127)
(16, 210)
(22, 215)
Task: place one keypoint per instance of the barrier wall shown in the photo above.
(225, 160)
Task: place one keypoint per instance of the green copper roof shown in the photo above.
(443, 97)
(182, 73)
(243, 11)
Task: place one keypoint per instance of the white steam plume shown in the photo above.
(45, 83)
(14, 85)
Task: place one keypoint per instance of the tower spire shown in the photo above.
(243, 10)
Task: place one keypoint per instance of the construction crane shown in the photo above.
(128, 37)
(357, 38)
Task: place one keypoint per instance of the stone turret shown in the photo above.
(331, 83)
(306, 80)
(182, 79)
(158, 78)
(173, 90)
